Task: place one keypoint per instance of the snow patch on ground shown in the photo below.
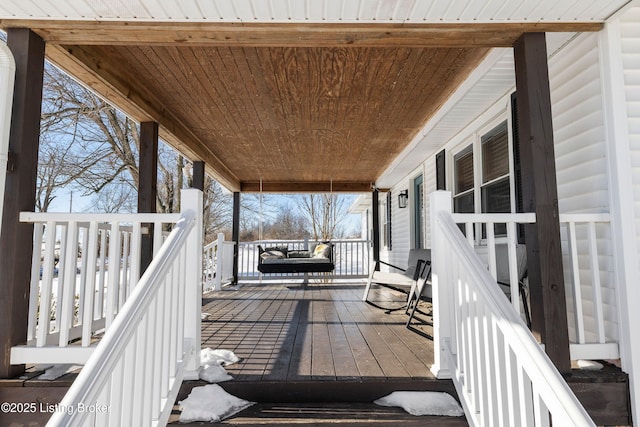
(214, 374)
(210, 403)
(218, 357)
(590, 365)
(56, 371)
(423, 403)
(211, 362)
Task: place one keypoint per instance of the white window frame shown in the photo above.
(468, 145)
(475, 140)
(387, 222)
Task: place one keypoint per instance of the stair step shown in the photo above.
(341, 414)
(324, 403)
(351, 391)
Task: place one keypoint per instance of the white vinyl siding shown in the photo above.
(579, 135)
(630, 37)
(578, 125)
(581, 168)
(429, 187)
(400, 228)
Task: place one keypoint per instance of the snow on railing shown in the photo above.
(218, 263)
(500, 372)
(350, 256)
(83, 269)
(134, 375)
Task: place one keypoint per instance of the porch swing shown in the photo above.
(318, 258)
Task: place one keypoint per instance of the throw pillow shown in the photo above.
(322, 251)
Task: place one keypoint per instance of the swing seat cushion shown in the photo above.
(319, 259)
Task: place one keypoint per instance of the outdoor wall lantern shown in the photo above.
(403, 197)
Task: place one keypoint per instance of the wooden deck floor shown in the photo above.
(318, 331)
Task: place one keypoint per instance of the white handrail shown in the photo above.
(500, 372)
(133, 376)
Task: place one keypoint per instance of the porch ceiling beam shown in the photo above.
(291, 34)
(305, 187)
(131, 96)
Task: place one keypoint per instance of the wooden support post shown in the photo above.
(375, 213)
(147, 186)
(441, 176)
(540, 195)
(16, 244)
(235, 234)
(198, 176)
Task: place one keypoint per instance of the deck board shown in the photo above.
(320, 331)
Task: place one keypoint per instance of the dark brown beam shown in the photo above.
(441, 176)
(452, 35)
(306, 187)
(235, 234)
(147, 185)
(375, 234)
(198, 176)
(540, 195)
(16, 244)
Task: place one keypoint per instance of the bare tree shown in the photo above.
(325, 213)
(61, 160)
(98, 148)
(217, 210)
(54, 172)
(116, 198)
(287, 224)
(101, 135)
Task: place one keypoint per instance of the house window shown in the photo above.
(495, 188)
(463, 200)
(494, 181)
(418, 206)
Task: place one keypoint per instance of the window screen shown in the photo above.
(464, 171)
(495, 154)
(496, 188)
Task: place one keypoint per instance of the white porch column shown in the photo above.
(622, 209)
(7, 79)
(191, 199)
(443, 316)
(220, 262)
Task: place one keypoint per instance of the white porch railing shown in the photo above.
(351, 259)
(135, 373)
(588, 275)
(218, 263)
(501, 374)
(584, 250)
(83, 270)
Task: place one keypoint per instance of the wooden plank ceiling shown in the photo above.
(298, 115)
(318, 112)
